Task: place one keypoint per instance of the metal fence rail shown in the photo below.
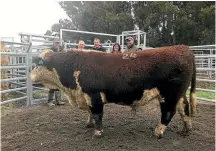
(205, 65)
(15, 77)
(21, 65)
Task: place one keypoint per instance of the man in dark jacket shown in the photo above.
(98, 46)
(55, 48)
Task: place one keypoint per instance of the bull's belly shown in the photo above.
(124, 98)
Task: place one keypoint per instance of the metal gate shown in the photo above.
(21, 65)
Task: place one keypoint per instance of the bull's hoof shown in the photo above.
(187, 124)
(98, 133)
(193, 114)
(90, 125)
(159, 130)
(133, 114)
(184, 132)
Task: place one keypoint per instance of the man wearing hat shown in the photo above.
(55, 48)
(130, 44)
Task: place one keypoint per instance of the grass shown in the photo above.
(207, 95)
(40, 94)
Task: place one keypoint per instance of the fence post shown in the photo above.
(61, 38)
(138, 39)
(144, 41)
(122, 41)
(28, 70)
(211, 63)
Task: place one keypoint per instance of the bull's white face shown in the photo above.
(49, 79)
(35, 74)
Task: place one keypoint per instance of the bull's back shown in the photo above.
(118, 74)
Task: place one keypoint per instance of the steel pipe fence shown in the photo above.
(205, 61)
(204, 57)
(119, 38)
(11, 90)
(14, 100)
(12, 76)
(137, 33)
(109, 43)
(205, 65)
(21, 64)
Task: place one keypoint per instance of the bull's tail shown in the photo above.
(193, 101)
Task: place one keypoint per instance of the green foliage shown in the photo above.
(202, 94)
(165, 22)
(191, 23)
(104, 17)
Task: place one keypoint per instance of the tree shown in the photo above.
(104, 17)
(179, 22)
(165, 22)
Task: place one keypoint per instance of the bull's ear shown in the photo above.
(37, 60)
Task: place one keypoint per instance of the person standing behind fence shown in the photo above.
(130, 44)
(98, 46)
(55, 48)
(116, 48)
(81, 46)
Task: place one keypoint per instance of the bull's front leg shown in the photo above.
(97, 113)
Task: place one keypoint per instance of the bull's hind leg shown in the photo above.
(168, 110)
(97, 113)
(90, 123)
(184, 111)
(193, 103)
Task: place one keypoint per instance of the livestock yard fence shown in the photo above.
(138, 35)
(20, 64)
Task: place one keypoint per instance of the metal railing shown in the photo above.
(15, 77)
(119, 38)
(21, 65)
(20, 70)
(205, 65)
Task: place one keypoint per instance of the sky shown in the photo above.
(28, 16)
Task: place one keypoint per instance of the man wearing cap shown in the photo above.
(130, 44)
(55, 48)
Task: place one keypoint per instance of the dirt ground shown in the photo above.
(62, 128)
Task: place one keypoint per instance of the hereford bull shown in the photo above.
(95, 78)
